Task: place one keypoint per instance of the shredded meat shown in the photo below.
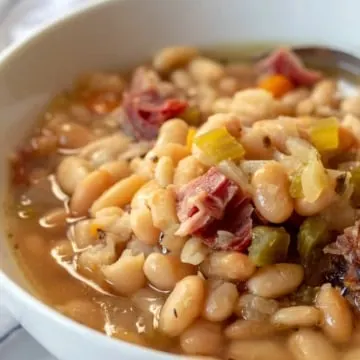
(148, 103)
(283, 61)
(347, 247)
(214, 208)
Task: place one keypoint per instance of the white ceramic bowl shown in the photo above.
(113, 34)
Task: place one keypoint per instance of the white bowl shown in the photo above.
(113, 34)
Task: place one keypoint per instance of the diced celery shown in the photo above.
(269, 245)
(296, 191)
(313, 235)
(219, 145)
(325, 134)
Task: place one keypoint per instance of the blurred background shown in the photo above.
(19, 17)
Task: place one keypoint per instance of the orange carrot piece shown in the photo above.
(277, 84)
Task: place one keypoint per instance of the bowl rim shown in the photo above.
(6, 283)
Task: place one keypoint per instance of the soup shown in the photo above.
(198, 207)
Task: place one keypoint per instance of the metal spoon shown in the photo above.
(331, 59)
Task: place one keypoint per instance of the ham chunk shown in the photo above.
(283, 61)
(149, 103)
(215, 209)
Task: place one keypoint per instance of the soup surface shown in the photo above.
(198, 207)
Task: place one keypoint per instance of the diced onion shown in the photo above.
(219, 145)
(234, 173)
(299, 148)
(314, 178)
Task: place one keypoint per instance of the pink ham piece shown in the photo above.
(215, 209)
(283, 61)
(146, 108)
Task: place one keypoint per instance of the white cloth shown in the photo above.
(17, 19)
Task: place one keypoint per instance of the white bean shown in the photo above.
(164, 171)
(324, 92)
(277, 280)
(250, 330)
(173, 57)
(308, 344)
(220, 301)
(120, 194)
(71, 171)
(228, 265)
(183, 306)
(257, 350)
(93, 258)
(337, 324)
(297, 316)
(205, 70)
(172, 131)
(163, 209)
(165, 271)
(82, 235)
(272, 196)
(306, 208)
(175, 151)
(118, 169)
(143, 226)
(194, 251)
(89, 190)
(126, 275)
(142, 196)
(201, 338)
(188, 169)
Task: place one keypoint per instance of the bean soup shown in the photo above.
(198, 207)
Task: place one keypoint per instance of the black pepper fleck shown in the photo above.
(101, 234)
(267, 141)
(154, 159)
(175, 313)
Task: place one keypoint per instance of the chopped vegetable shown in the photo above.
(236, 174)
(269, 245)
(324, 134)
(314, 179)
(219, 145)
(300, 148)
(276, 84)
(306, 295)
(190, 137)
(312, 237)
(355, 180)
(296, 191)
(191, 115)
